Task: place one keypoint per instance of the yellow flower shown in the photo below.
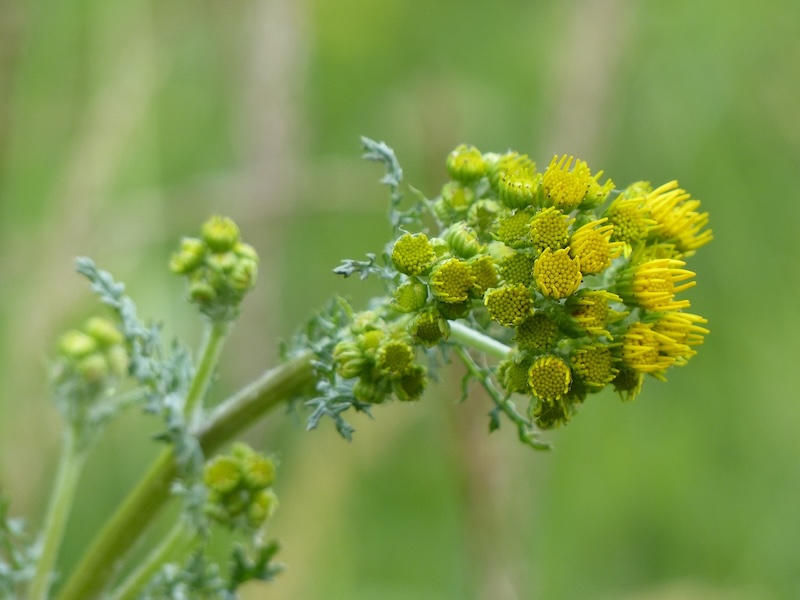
(652, 285)
(514, 228)
(512, 373)
(593, 246)
(509, 305)
(565, 188)
(411, 386)
(630, 221)
(595, 365)
(485, 273)
(590, 309)
(413, 254)
(537, 333)
(395, 358)
(677, 219)
(430, 327)
(557, 274)
(517, 268)
(511, 162)
(452, 281)
(550, 229)
(549, 378)
(682, 328)
(642, 350)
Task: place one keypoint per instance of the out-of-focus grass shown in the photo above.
(123, 126)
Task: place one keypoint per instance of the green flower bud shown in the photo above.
(189, 256)
(103, 331)
(202, 292)
(483, 215)
(93, 368)
(511, 162)
(350, 359)
(243, 250)
(258, 471)
(430, 327)
(410, 296)
(243, 276)
(463, 240)
(261, 508)
(485, 273)
(220, 233)
(411, 385)
(638, 189)
(513, 375)
(118, 360)
(222, 263)
(370, 340)
(367, 390)
(466, 164)
(413, 254)
(548, 415)
(222, 474)
(367, 320)
(519, 189)
(456, 198)
(76, 344)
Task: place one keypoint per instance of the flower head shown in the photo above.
(466, 164)
(676, 217)
(653, 284)
(517, 267)
(591, 311)
(513, 374)
(519, 189)
(452, 280)
(485, 273)
(395, 358)
(413, 254)
(630, 222)
(429, 327)
(549, 378)
(511, 162)
(514, 228)
(537, 333)
(593, 246)
(557, 274)
(509, 305)
(563, 187)
(643, 350)
(595, 365)
(550, 229)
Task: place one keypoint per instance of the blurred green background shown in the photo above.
(123, 125)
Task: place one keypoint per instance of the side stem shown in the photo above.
(121, 532)
(73, 456)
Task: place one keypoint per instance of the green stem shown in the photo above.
(474, 339)
(73, 455)
(180, 538)
(215, 335)
(120, 534)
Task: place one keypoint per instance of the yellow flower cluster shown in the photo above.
(585, 282)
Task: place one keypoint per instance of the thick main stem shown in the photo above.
(120, 534)
(73, 456)
(477, 340)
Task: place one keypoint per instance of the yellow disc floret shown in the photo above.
(514, 228)
(413, 254)
(485, 273)
(549, 378)
(557, 274)
(452, 281)
(519, 189)
(537, 333)
(595, 365)
(517, 268)
(642, 350)
(653, 284)
(592, 312)
(395, 358)
(509, 305)
(630, 221)
(550, 229)
(593, 246)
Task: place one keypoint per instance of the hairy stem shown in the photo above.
(215, 335)
(120, 534)
(73, 455)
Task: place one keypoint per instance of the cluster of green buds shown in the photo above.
(581, 281)
(220, 267)
(90, 361)
(239, 494)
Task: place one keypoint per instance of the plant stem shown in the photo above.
(175, 543)
(216, 333)
(474, 339)
(73, 455)
(120, 534)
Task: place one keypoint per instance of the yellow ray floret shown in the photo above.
(593, 246)
(677, 219)
(653, 284)
(592, 312)
(565, 188)
(647, 351)
(557, 274)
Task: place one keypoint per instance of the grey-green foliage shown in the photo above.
(17, 553)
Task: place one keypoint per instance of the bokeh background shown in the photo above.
(123, 125)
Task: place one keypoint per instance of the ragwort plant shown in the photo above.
(547, 285)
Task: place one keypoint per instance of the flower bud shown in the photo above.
(222, 474)
(93, 368)
(463, 240)
(411, 386)
(430, 327)
(261, 508)
(413, 254)
(455, 199)
(189, 256)
(410, 296)
(466, 164)
(220, 233)
(258, 471)
(349, 358)
(76, 344)
(103, 331)
(373, 392)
